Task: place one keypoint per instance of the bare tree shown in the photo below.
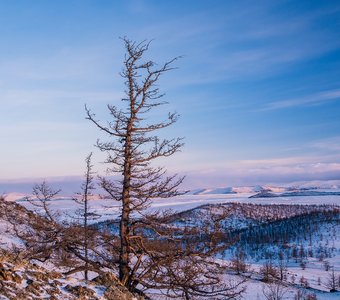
(38, 229)
(43, 194)
(274, 291)
(282, 266)
(303, 295)
(238, 263)
(304, 282)
(332, 281)
(85, 212)
(134, 147)
(47, 237)
(152, 254)
(269, 272)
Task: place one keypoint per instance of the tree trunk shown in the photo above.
(124, 259)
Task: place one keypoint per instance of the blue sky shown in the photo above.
(257, 89)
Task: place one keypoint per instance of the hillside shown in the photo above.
(35, 279)
(21, 279)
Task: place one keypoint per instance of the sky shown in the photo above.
(257, 87)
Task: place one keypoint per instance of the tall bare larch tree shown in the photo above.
(134, 146)
(153, 254)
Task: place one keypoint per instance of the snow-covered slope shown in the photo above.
(227, 190)
(315, 184)
(296, 193)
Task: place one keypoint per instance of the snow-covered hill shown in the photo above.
(305, 188)
(227, 190)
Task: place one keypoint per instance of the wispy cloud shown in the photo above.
(315, 99)
(15, 98)
(264, 45)
(276, 171)
(331, 144)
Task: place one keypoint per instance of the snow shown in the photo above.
(14, 196)
(185, 202)
(316, 184)
(107, 209)
(255, 288)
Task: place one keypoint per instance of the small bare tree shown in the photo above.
(47, 237)
(85, 213)
(238, 263)
(304, 282)
(38, 229)
(274, 291)
(332, 281)
(282, 266)
(303, 295)
(43, 194)
(269, 272)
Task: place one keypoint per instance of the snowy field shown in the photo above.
(190, 201)
(109, 209)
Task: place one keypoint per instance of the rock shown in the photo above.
(115, 292)
(39, 275)
(55, 275)
(106, 279)
(81, 292)
(6, 275)
(17, 278)
(34, 288)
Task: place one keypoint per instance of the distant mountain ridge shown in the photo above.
(303, 188)
(266, 194)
